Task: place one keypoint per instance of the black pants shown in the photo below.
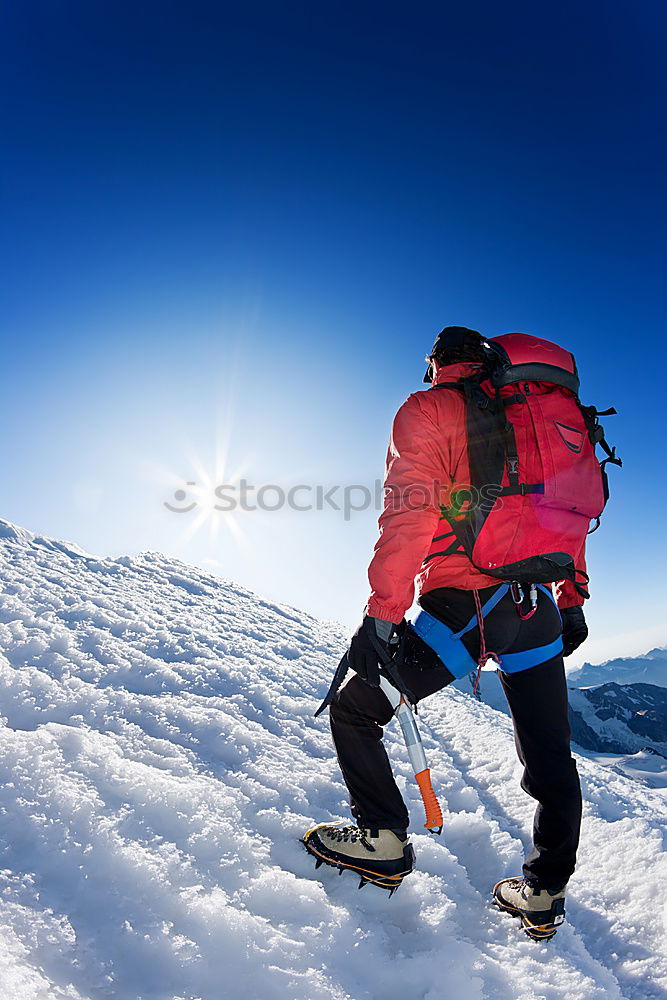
(537, 699)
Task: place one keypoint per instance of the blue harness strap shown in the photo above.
(444, 643)
(495, 598)
(448, 646)
(513, 663)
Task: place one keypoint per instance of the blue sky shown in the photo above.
(237, 231)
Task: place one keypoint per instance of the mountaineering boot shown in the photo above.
(383, 857)
(541, 910)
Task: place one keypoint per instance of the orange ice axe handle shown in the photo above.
(431, 804)
(415, 748)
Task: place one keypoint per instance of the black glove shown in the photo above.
(373, 643)
(575, 629)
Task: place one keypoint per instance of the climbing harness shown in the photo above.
(450, 649)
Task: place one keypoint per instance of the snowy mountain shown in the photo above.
(619, 718)
(611, 718)
(159, 760)
(648, 669)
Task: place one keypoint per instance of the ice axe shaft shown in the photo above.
(416, 753)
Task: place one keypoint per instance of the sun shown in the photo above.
(197, 511)
(208, 518)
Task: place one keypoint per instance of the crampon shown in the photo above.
(539, 924)
(384, 873)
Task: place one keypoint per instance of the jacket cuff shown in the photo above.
(385, 611)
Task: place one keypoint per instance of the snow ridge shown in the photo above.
(159, 760)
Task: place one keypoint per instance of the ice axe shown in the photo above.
(413, 741)
(400, 699)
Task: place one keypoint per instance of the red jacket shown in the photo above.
(427, 457)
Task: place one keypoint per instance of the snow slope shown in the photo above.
(159, 760)
(648, 766)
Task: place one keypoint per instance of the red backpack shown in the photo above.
(536, 483)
